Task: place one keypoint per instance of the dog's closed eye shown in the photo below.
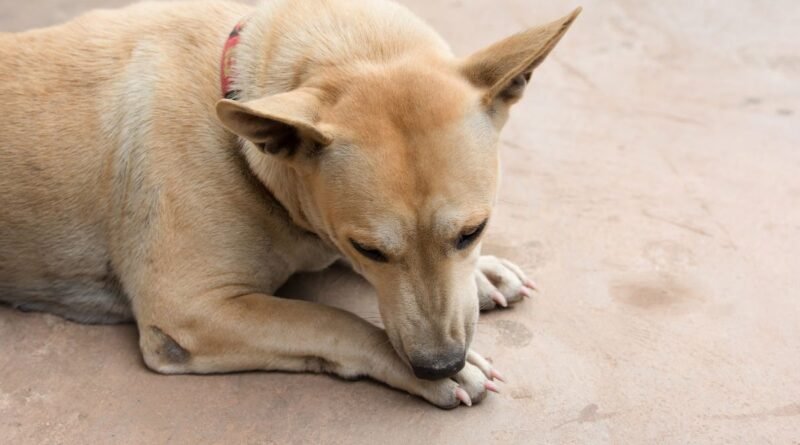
(468, 236)
(369, 252)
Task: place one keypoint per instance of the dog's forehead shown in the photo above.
(455, 162)
(403, 101)
(409, 119)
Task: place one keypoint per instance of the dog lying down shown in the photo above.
(157, 167)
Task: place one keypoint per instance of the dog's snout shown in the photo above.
(440, 366)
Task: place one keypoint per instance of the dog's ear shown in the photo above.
(504, 69)
(281, 124)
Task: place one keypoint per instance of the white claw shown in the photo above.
(499, 298)
(463, 396)
(495, 375)
(489, 385)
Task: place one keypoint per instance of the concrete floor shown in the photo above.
(652, 186)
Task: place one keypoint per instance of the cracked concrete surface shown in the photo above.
(651, 185)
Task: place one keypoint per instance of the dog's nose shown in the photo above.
(440, 367)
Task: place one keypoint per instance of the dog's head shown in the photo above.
(398, 168)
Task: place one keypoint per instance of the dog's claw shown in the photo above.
(526, 293)
(463, 396)
(530, 284)
(499, 298)
(489, 385)
(495, 375)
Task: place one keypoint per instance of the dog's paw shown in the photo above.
(501, 283)
(470, 386)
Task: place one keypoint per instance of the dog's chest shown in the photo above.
(292, 250)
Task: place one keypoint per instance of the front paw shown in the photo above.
(501, 283)
(469, 386)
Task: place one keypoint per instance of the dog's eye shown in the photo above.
(373, 254)
(469, 236)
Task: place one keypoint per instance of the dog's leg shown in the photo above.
(501, 283)
(268, 333)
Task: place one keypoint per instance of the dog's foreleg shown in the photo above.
(269, 333)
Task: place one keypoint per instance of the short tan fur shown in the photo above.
(131, 191)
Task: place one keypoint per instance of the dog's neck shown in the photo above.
(280, 179)
(285, 186)
(250, 69)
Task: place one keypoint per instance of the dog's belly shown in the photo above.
(77, 283)
(81, 301)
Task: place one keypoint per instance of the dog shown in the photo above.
(173, 164)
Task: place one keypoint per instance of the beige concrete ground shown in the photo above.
(652, 185)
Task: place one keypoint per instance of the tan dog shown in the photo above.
(129, 190)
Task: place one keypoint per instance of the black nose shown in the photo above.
(440, 367)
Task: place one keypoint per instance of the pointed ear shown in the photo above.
(505, 68)
(279, 124)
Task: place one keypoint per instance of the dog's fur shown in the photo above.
(129, 190)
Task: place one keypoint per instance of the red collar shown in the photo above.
(226, 67)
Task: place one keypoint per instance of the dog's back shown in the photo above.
(76, 109)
